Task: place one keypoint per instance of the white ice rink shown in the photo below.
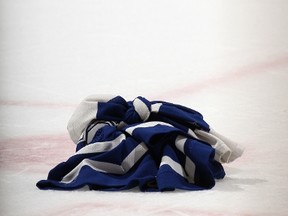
(227, 59)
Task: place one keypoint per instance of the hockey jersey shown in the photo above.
(155, 145)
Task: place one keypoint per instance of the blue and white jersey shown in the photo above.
(154, 145)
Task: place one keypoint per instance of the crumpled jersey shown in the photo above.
(155, 145)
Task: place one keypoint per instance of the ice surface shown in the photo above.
(226, 59)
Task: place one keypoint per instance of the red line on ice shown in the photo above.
(35, 152)
(230, 76)
(40, 104)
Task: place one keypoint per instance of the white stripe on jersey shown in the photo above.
(102, 146)
(107, 167)
(146, 125)
(166, 160)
